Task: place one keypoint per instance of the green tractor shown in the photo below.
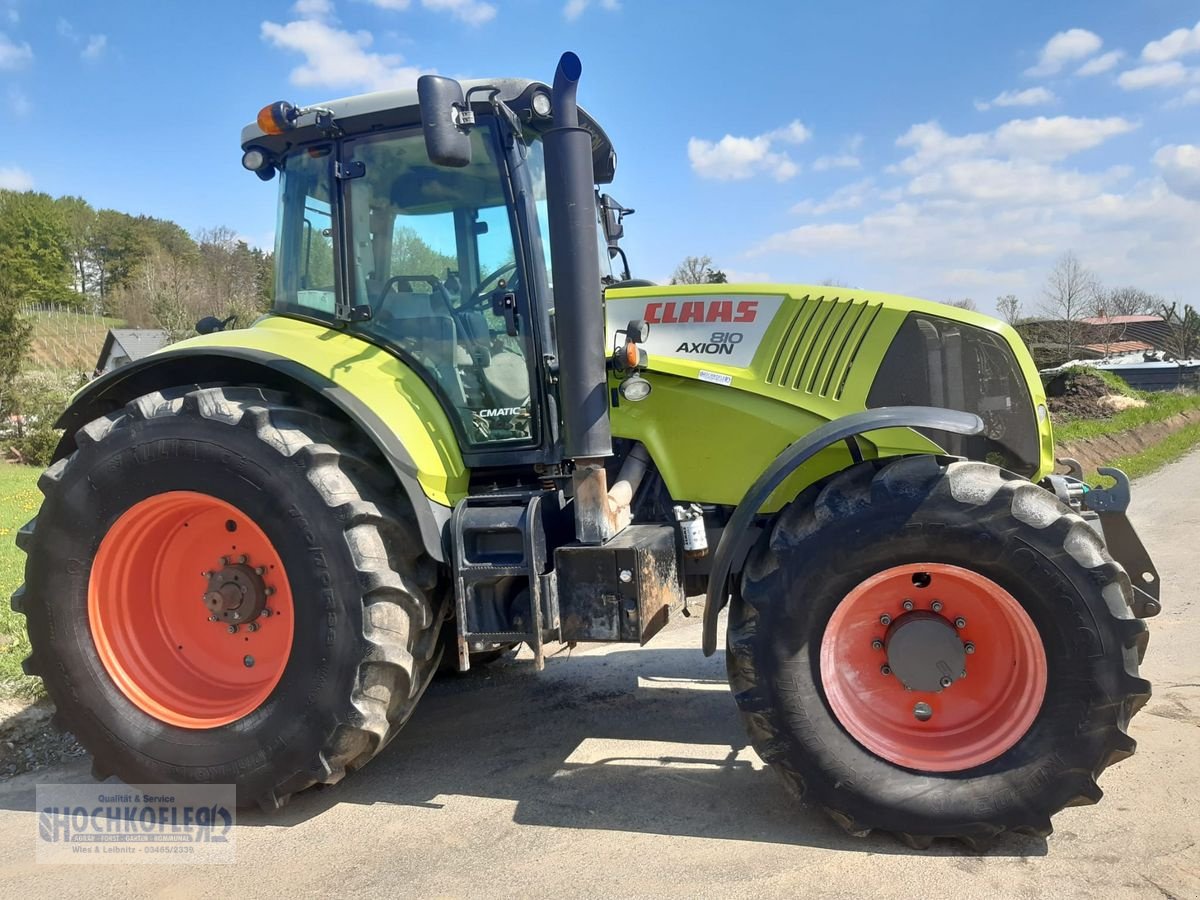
(460, 431)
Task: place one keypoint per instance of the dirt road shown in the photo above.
(624, 772)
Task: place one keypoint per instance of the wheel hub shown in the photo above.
(236, 592)
(924, 651)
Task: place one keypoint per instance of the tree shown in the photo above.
(15, 333)
(1070, 294)
(697, 270)
(34, 264)
(1126, 301)
(1184, 331)
(964, 303)
(79, 220)
(1009, 307)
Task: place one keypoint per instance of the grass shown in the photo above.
(68, 341)
(1158, 406)
(1154, 457)
(19, 502)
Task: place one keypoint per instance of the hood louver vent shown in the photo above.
(820, 344)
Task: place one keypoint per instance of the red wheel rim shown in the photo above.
(169, 567)
(965, 724)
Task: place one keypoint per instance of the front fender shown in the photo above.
(737, 532)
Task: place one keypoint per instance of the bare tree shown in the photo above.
(1070, 294)
(964, 303)
(832, 282)
(1184, 331)
(1126, 301)
(693, 270)
(1009, 307)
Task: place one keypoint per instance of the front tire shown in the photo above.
(920, 538)
(154, 669)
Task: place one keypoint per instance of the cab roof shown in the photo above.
(397, 108)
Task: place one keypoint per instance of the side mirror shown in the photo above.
(610, 215)
(443, 120)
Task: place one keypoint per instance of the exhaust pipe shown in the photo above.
(579, 310)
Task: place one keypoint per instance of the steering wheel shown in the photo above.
(483, 292)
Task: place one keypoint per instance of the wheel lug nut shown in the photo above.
(877, 644)
(224, 560)
(252, 626)
(212, 618)
(946, 681)
(908, 605)
(923, 711)
(259, 570)
(968, 648)
(885, 619)
(248, 662)
(265, 614)
(242, 560)
(936, 606)
(885, 670)
(232, 629)
(960, 622)
(269, 590)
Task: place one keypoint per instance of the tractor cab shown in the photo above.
(448, 266)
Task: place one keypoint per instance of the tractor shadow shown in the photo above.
(635, 740)
(639, 740)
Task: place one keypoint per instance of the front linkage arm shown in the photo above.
(737, 534)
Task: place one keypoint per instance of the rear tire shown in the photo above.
(367, 608)
(966, 515)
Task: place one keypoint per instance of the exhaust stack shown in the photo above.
(579, 309)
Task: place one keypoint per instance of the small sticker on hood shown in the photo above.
(716, 377)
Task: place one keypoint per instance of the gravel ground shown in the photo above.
(625, 772)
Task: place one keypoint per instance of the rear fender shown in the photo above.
(432, 486)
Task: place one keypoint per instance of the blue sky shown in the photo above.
(942, 149)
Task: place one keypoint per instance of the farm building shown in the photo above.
(126, 345)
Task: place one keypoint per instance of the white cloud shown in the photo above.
(1040, 138)
(745, 276)
(14, 55)
(1190, 97)
(313, 9)
(19, 103)
(837, 161)
(850, 196)
(95, 47)
(1057, 137)
(335, 58)
(736, 158)
(1034, 96)
(989, 212)
(472, 12)
(1178, 43)
(14, 179)
(1179, 165)
(1065, 47)
(793, 133)
(1157, 75)
(576, 8)
(1098, 65)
